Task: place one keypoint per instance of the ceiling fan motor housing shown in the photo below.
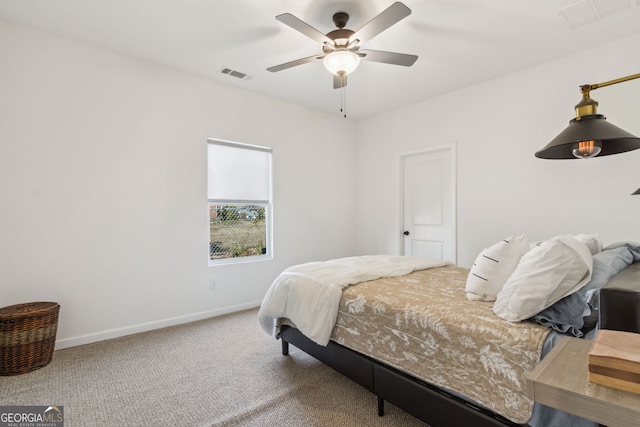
(340, 39)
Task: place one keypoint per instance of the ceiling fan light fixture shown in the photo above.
(341, 62)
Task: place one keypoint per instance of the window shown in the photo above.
(239, 193)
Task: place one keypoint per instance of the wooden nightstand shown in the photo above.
(560, 381)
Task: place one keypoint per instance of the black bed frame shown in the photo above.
(422, 400)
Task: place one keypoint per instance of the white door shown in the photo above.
(428, 203)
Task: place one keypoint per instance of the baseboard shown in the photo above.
(144, 327)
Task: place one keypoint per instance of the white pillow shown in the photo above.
(591, 241)
(547, 273)
(493, 266)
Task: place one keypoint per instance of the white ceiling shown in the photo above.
(459, 42)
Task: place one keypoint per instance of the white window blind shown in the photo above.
(238, 172)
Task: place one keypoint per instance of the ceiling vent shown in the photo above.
(234, 73)
(588, 11)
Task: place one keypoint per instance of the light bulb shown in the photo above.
(586, 149)
(341, 62)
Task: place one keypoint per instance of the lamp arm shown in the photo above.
(588, 106)
(611, 82)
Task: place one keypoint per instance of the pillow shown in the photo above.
(633, 247)
(545, 274)
(576, 312)
(493, 266)
(590, 241)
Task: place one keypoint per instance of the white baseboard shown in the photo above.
(144, 327)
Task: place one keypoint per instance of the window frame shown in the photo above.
(267, 204)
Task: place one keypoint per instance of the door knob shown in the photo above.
(406, 233)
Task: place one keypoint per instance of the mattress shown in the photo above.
(423, 324)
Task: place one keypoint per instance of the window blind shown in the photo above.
(238, 172)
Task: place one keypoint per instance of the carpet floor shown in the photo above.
(223, 371)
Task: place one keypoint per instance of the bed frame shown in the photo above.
(429, 403)
(422, 400)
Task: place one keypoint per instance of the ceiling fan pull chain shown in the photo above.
(343, 101)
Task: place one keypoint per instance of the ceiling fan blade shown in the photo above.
(295, 63)
(304, 28)
(339, 81)
(388, 57)
(388, 17)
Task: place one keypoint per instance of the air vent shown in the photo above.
(234, 73)
(588, 11)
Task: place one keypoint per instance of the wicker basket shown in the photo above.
(27, 336)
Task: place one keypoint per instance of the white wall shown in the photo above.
(103, 187)
(502, 189)
(103, 176)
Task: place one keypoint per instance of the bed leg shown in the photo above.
(285, 348)
(380, 406)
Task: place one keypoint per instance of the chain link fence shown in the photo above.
(237, 231)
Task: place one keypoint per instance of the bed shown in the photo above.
(407, 330)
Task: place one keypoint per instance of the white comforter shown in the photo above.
(309, 294)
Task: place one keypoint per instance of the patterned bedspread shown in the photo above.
(423, 324)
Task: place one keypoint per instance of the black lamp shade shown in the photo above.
(593, 127)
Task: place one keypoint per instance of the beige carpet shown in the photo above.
(223, 371)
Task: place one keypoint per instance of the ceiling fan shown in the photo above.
(341, 47)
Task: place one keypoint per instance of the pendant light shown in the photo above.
(590, 134)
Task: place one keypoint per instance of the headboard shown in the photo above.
(620, 301)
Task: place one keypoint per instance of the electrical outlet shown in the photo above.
(212, 284)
